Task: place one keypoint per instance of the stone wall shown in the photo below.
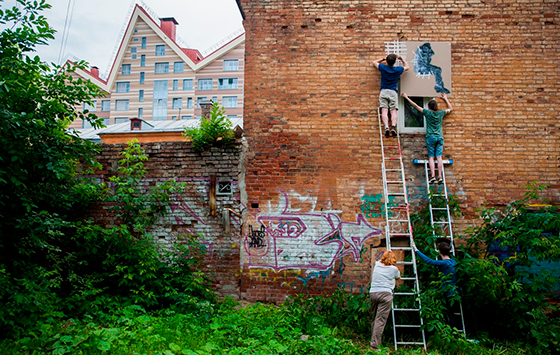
(311, 125)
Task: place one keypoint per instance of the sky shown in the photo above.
(95, 25)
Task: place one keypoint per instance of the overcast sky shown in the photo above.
(96, 24)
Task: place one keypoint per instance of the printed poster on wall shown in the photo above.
(430, 69)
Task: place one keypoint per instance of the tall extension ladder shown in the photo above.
(440, 215)
(406, 309)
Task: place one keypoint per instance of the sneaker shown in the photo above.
(440, 180)
(433, 180)
(387, 133)
(393, 131)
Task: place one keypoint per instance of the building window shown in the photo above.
(162, 68)
(121, 119)
(135, 40)
(178, 67)
(141, 95)
(231, 64)
(174, 118)
(177, 103)
(227, 83)
(105, 105)
(199, 100)
(121, 105)
(90, 107)
(142, 60)
(187, 84)
(160, 50)
(231, 116)
(142, 77)
(140, 112)
(204, 84)
(189, 102)
(125, 69)
(144, 42)
(175, 85)
(186, 117)
(86, 123)
(229, 101)
(410, 120)
(159, 110)
(123, 86)
(133, 51)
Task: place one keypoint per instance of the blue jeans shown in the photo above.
(435, 146)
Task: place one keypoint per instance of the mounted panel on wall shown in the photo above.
(430, 69)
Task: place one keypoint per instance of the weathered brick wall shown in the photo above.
(189, 213)
(311, 127)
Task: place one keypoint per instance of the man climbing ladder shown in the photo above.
(434, 134)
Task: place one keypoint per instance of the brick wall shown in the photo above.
(311, 127)
(190, 212)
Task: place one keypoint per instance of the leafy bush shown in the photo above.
(214, 131)
(503, 299)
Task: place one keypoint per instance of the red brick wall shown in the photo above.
(189, 213)
(311, 127)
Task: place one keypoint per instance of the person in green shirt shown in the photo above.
(434, 134)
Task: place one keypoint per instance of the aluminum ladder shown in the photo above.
(406, 310)
(440, 216)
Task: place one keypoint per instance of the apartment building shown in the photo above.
(154, 78)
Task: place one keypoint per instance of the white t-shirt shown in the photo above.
(383, 278)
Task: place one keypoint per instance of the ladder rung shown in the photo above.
(394, 182)
(396, 208)
(399, 234)
(404, 294)
(401, 248)
(395, 194)
(446, 222)
(398, 220)
(407, 325)
(393, 169)
(407, 309)
(439, 209)
(405, 263)
(390, 146)
(408, 278)
(392, 158)
(410, 342)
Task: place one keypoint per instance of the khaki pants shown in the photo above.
(381, 306)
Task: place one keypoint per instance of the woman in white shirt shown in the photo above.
(383, 279)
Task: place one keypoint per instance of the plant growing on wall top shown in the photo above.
(214, 131)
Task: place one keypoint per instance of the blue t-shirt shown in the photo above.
(447, 268)
(390, 76)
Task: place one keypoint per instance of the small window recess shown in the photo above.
(410, 120)
(224, 188)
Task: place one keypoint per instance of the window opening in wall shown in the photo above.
(142, 60)
(121, 119)
(142, 76)
(144, 42)
(227, 83)
(161, 68)
(125, 69)
(229, 101)
(140, 113)
(121, 105)
(133, 51)
(160, 100)
(189, 102)
(123, 86)
(160, 50)
(410, 120)
(141, 95)
(105, 105)
(204, 84)
(187, 84)
(90, 107)
(231, 64)
(224, 188)
(186, 117)
(177, 103)
(178, 67)
(175, 85)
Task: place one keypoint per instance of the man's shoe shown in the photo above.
(387, 132)
(393, 131)
(433, 180)
(440, 180)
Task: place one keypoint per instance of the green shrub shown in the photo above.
(214, 131)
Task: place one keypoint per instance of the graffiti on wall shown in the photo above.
(373, 205)
(313, 240)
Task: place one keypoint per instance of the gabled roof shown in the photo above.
(192, 57)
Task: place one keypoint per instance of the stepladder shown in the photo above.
(441, 222)
(406, 310)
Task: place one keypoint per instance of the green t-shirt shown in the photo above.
(433, 122)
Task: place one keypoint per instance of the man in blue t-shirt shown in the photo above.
(389, 86)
